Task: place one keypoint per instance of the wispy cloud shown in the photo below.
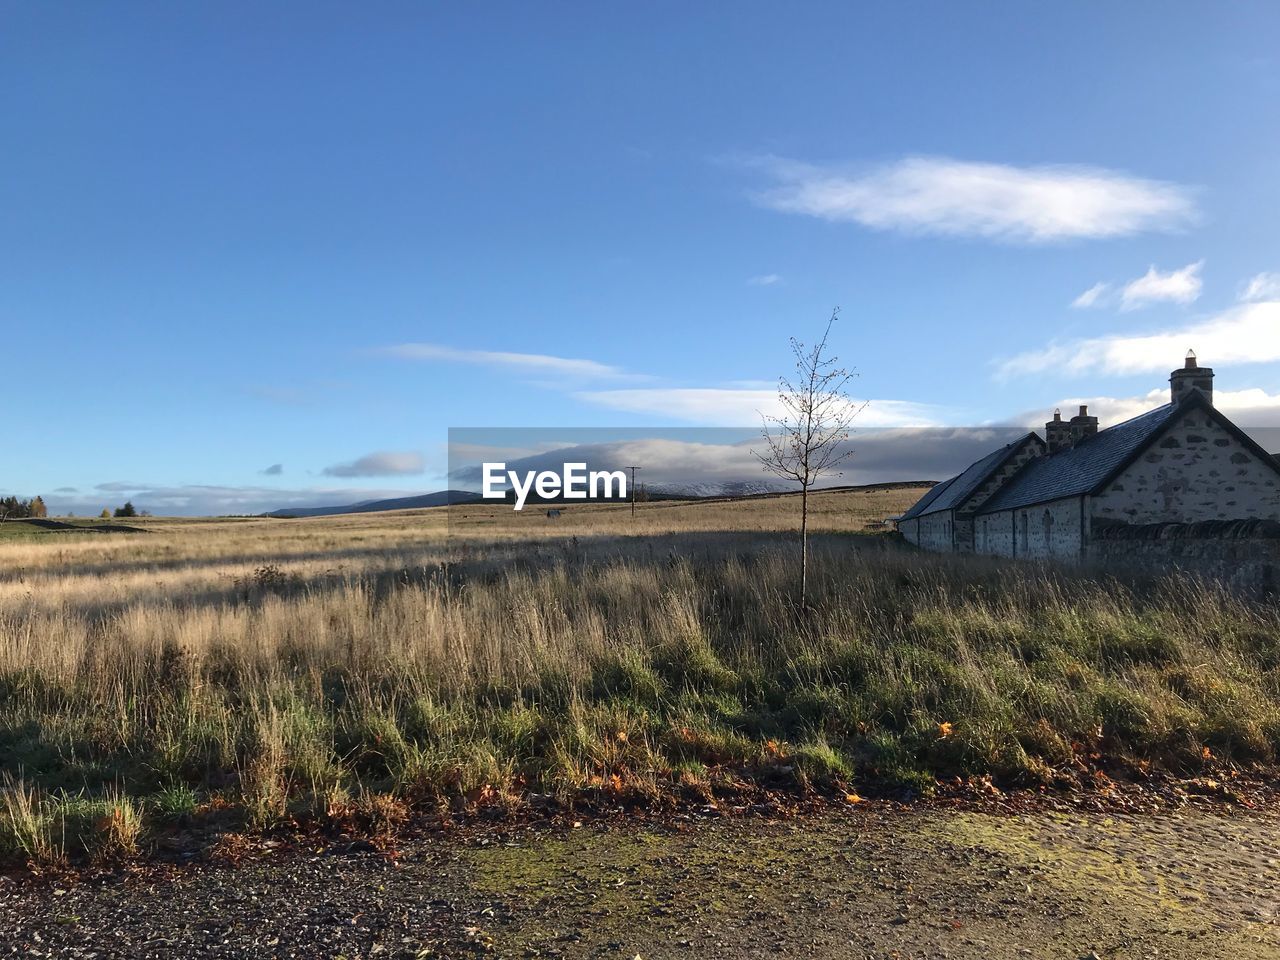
(1093, 297)
(764, 280)
(740, 407)
(1249, 333)
(274, 470)
(1176, 286)
(380, 464)
(1264, 286)
(532, 363)
(943, 196)
(1154, 286)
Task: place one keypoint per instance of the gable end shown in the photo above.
(1193, 401)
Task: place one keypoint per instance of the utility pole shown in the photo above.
(633, 489)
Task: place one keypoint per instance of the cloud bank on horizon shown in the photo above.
(684, 458)
(210, 500)
(381, 464)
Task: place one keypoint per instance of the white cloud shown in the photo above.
(939, 195)
(1249, 333)
(1252, 407)
(380, 464)
(1108, 410)
(739, 407)
(1176, 286)
(1093, 297)
(764, 280)
(1264, 286)
(533, 363)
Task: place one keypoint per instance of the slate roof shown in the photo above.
(952, 493)
(932, 494)
(1086, 466)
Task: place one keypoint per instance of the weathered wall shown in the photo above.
(931, 532)
(993, 535)
(1195, 471)
(1243, 555)
(1049, 530)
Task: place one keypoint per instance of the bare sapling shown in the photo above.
(809, 439)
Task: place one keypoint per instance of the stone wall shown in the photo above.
(993, 534)
(1244, 554)
(1046, 530)
(931, 531)
(1196, 470)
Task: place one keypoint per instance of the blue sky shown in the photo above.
(314, 237)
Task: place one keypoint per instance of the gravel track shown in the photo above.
(863, 883)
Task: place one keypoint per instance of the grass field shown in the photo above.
(256, 672)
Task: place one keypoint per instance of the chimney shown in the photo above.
(1082, 425)
(1191, 378)
(1057, 433)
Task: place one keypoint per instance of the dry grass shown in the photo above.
(349, 667)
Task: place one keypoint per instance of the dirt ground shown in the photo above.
(861, 883)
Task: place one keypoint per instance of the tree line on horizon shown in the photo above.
(15, 508)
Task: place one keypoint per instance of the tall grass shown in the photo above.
(513, 672)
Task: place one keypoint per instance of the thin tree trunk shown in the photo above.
(804, 546)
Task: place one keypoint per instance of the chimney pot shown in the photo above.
(1083, 426)
(1057, 433)
(1191, 377)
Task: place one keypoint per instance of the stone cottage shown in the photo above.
(1181, 472)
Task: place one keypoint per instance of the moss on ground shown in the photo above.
(1195, 887)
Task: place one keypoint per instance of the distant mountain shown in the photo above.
(729, 488)
(440, 498)
(714, 490)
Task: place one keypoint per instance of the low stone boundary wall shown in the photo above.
(1243, 554)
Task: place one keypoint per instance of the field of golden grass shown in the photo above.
(255, 672)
